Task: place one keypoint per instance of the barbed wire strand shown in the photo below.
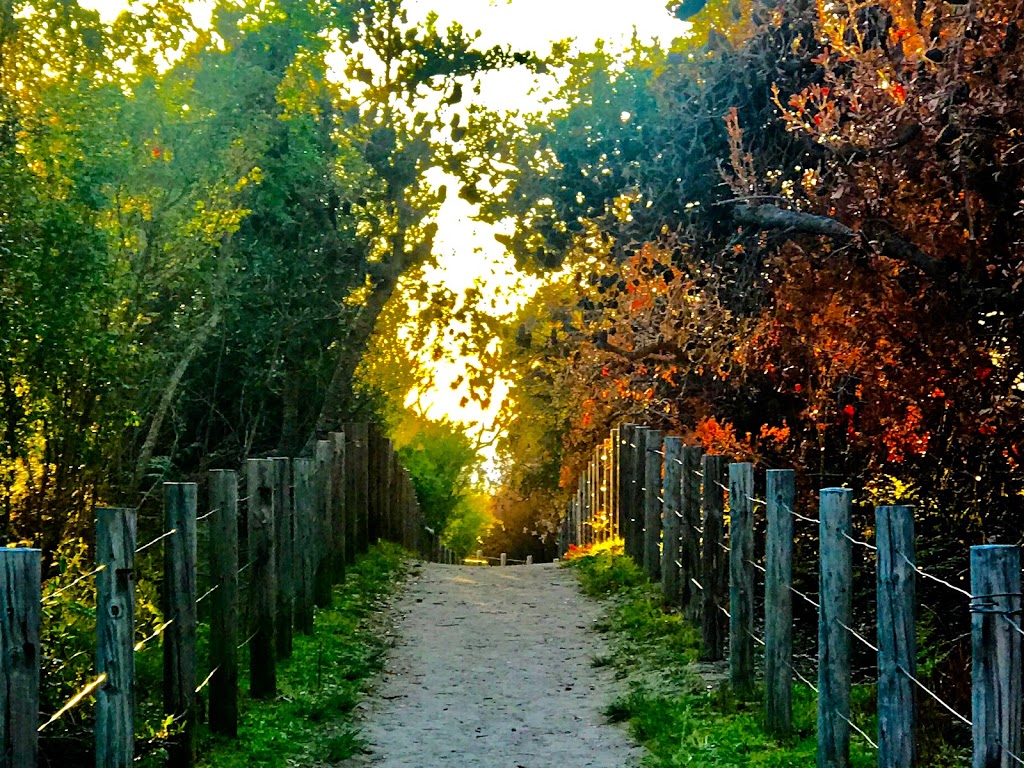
(860, 543)
(208, 592)
(74, 701)
(797, 592)
(76, 582)
(209, 677)
(247, 640)
(934, 695)
(859, 636)
(156, 633)
(853, 725)
(1012, 756)
(158, 539)
(203, 517)
(927, 575)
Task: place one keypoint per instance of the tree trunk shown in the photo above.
(167, 399)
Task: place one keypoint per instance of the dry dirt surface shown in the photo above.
(492, 667)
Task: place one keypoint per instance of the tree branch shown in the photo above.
(889, 244)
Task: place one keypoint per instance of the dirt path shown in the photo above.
(492, 668)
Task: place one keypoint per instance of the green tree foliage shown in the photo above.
(444, 464)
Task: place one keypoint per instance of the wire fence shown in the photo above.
(316, 533)
(687, 527)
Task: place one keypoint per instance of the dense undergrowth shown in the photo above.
(674, 706)
(311, 718)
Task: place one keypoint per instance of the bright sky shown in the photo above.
(466, 250)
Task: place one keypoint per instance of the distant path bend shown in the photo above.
(492, 667)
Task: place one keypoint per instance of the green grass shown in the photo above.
(311, 718)
(670, 709)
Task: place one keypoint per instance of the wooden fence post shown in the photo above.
(341, 511)
(671, 491)
(715, 566)
(323, 524)
(351, 494)
(690, 532)
(504, 559)
(636, 505)
(624, 485)
(115, 638)
(613, 483)
(996, 656)
(179, 598)
(373, 453)
(387, 504)
(529, 559)
(780, 494)
(284, 555)
(361, 485)
(741, 577)
(20, 655)
(262, 579)
(652, 505)
(836, 596)
(304, 506)
(897, 641)
(224, 602)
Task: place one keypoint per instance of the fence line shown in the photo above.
(669, 503)
(372, 499)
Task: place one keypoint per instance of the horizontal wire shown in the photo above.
(863, 735)
(697, 584)
(1013, 624)
(74, 701)
(209, 592)
(723, 610)
(247, 640)
(860, 543)
(203, 517)
(142, 643)
(796, 591)
(48, 598)
(859, 636)
(759, 567)
(159, 538)
(209, 677)
(1012, 756)
(917, 570)
(934, 695)
(800, 677)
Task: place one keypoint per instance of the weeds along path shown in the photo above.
(493, 667)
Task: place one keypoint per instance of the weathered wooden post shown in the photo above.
(361, 484)
(836, 614)
(375, 444)
(504, 559)
(529, 559)
(20, 654)
(179, 598)
(652, 505)
(715, 566)
(341, 511)
(351, 494)
(303, 500)
(262, 579)
(284, 555)
(671, 490)
(690, 532)
(636, 506)
(387, 504)
(324, 524)
(741, 577)
(613, 482)
(224, 602)
(115, 638)
(624, 486)
(897, 640)
(996, 656)
(778, 601)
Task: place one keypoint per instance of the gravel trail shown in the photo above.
(492, 667)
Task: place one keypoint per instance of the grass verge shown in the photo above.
(311, 721)
(671, 708)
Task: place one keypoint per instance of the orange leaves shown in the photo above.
(777, 435)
